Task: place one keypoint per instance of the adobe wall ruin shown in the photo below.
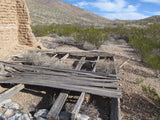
(15, 23)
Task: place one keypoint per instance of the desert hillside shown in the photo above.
(58, 12)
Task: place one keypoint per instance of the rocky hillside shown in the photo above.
(56, 11)
(153, 19)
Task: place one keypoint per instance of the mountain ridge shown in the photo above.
(59, 12)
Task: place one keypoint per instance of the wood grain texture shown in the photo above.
(7, 94)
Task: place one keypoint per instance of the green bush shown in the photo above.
(80, 33)
(91, 35)
(42, 30)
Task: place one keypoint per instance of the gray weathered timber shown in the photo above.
(65, 57)
(7, 94)
(42, 68)
(70, 80)
(81, 78)
(95, 66)
(88, 89)
(56, 108)
(115, 106)
(77, 106)
(93, 54)
(115, 109)
(80, 64)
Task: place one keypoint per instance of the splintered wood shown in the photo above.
(86, 76)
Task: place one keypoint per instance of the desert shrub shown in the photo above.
(146, 42)
(151, 93)
(91, 35)
(42, 30)
(66, 30)
(80, 33)
(61, 30)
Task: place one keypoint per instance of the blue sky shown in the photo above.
(120, 9)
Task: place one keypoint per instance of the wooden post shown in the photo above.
(95, 66)
(56, 108)
(77, 106)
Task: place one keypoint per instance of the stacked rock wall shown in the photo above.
(15, 23)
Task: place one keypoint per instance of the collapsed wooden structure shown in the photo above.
(84, 77)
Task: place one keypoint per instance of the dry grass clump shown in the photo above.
(37, 58)
(106, 67)
(41, 59)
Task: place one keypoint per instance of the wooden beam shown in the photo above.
(77, 106)
(80, 64)
(7, 94)
(56, 108)
(125, 62)
(70, 80)
(115, 109)
(62, 76)
(113, 93)
(64, 57)
(93, 54)
(95, 66)
(55, 56)
(40, 68)
(115, 104)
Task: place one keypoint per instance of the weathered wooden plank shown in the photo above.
(70, 80)
(92, 90)
(55, 56)
(7, 94)
(40, 68)
(101, 54)
(115, 105)
(123, 63)
(77, 106)
(82, 78)
(80, 64)
(65, 57)
(115, 109)
(95, 66)
(57, 106)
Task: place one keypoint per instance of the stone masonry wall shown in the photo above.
(15, 23)
(25, 35)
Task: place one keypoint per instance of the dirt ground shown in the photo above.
(134, 104)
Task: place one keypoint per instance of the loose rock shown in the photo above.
(82, 117)
(40, 118)
(15, 117)
(9, 113)
(41, 113)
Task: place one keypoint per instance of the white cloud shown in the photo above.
(115, 9)
(81, 4)
(104, 5)
(125, 16)
(151, 1)
(157, 13)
